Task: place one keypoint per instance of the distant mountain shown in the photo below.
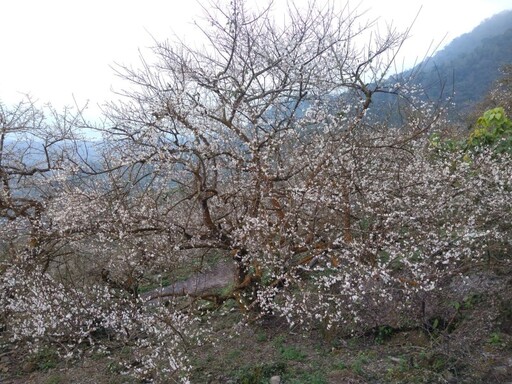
(469, 64)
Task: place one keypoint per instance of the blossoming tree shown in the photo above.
(261, 148)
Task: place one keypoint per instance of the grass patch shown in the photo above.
(309, 378)
(45, 359)
(260, 374)
(54, 379)
(359, 363)
(291, 353)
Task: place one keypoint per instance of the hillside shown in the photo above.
(467, 67)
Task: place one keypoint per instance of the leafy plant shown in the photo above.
(494, 128)
(383, 333)
(495, 339)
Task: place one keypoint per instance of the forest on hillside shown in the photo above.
(245, 217)
(466, 68)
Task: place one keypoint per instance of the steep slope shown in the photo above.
(467, 67)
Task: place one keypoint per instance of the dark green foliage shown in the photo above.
(383, 333)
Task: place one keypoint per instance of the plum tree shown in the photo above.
(258, 147)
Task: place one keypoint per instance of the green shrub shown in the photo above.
(494, 129)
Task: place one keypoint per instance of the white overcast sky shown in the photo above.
(57, 49)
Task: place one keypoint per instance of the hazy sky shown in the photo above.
(54, 49)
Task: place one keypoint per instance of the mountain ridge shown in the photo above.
(466, 68)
